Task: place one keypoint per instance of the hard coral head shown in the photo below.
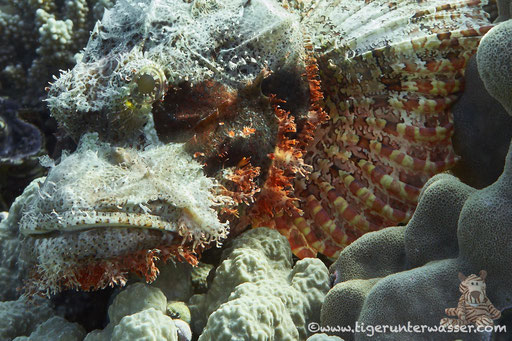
(494, 60)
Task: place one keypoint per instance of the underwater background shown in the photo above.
(255, 170)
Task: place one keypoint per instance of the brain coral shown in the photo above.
(256, 294)
(449, 214)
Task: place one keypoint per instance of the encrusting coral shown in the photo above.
(494, 63)
(482, 129)
(257, 294)
(455, 229)
(55, 328)
(21, 317)
(34, 319)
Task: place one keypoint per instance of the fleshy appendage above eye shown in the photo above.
(148, 85)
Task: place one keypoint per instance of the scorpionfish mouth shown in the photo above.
(105, 211)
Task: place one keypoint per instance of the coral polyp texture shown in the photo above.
(494, 64)
(320, 119)
(257, 294)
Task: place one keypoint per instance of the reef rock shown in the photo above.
(21, 317)
(56, 328)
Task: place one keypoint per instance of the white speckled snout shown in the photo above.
(102, 186)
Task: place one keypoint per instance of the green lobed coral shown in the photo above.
(427, 283)
(494, 62)
(449, 213)
(256, 294)
(482, 131)
(455, 228)
(149, 324)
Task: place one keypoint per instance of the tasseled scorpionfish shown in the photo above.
(319, 118)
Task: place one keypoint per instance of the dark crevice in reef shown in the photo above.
(483, 130)
(506, 320)
(89, 309)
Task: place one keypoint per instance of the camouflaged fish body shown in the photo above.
(323, 122)
(389, 71)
